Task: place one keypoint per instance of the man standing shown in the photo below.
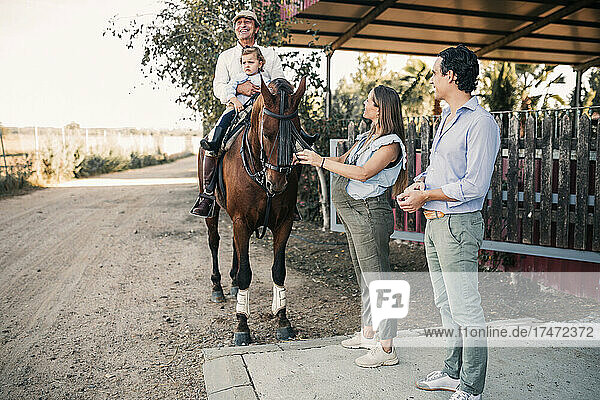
(229, 66)
(451, 192)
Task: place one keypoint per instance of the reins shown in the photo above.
(287, 135)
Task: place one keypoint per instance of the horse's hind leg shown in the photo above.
(212, 224)
(233, 273)
(241, 238)
(280, 238)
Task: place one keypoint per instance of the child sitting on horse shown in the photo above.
(252, 64)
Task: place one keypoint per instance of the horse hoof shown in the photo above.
(234, 291)
(285, 333)
(217, 296)
(241, 338)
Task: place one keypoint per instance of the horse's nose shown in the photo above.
(276, 187)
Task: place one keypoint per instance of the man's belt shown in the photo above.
(430, 214)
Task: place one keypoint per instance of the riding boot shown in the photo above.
(205, 203)
(215, 144)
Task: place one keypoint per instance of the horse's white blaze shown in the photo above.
(243, 303)
(279, 301)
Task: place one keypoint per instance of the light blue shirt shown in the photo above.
(462, 159)
(241, 78)
(377, 184)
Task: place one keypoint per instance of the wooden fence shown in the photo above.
(543, 196)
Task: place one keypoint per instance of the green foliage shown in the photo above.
(507, 86)
(417, 92)
(594, 91)
(14, 181)
(591, 94)
(182, 43)
(53, 164)
(412, 83)
(499, 86)
(97, 164)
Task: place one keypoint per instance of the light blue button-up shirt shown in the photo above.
(462, 159)
(375, 185)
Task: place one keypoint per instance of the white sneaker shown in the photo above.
(460, 395)
(438, 380)
(376, 357)
(358, 341)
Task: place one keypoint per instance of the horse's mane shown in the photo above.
(257, 109)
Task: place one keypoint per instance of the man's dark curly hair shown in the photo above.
(464, 63)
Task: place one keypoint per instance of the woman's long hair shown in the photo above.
(390, 123)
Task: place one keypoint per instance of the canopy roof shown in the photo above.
(524, 31)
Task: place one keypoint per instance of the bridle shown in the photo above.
(284, 139)
(287, 135)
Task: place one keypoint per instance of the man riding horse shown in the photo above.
(246, 26)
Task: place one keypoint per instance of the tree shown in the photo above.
(417, 92)
(533, 76)
(351, 93)
(507, 86)
(590, 94)
(411, 83)
(182, 43)
(499, 91)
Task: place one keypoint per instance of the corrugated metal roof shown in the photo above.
(527, 31)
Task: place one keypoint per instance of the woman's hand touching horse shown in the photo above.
(309, 157)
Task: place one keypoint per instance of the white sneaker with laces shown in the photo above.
(377, 357)
(438, 380)
(460, 395)
(359, 341)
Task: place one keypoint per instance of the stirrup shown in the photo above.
(209, 196)
(213, 146)
(212, 207)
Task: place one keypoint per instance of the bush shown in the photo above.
(13, 182)
(97, 164)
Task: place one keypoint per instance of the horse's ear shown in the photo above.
(268, 97)
(296, 97)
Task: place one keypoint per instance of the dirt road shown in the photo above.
(105, 290)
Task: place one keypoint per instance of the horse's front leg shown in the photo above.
(280, 238)
(213, 242)
(241, 239)
(233, 273)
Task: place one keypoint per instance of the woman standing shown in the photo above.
(362, 177)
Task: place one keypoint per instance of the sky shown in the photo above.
(57, 68)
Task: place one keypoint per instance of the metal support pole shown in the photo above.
(328, 90)
(3, 154)
(578, 75)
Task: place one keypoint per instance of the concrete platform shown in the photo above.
(322, 369)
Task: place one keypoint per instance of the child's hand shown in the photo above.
(236, 104)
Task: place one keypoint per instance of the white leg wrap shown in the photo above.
(279, 301)
(243, 303)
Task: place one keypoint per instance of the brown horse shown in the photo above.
(259, 188)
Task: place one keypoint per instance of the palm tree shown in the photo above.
(531, 76)
(505, 85)
(416, 93)
(499, 86)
